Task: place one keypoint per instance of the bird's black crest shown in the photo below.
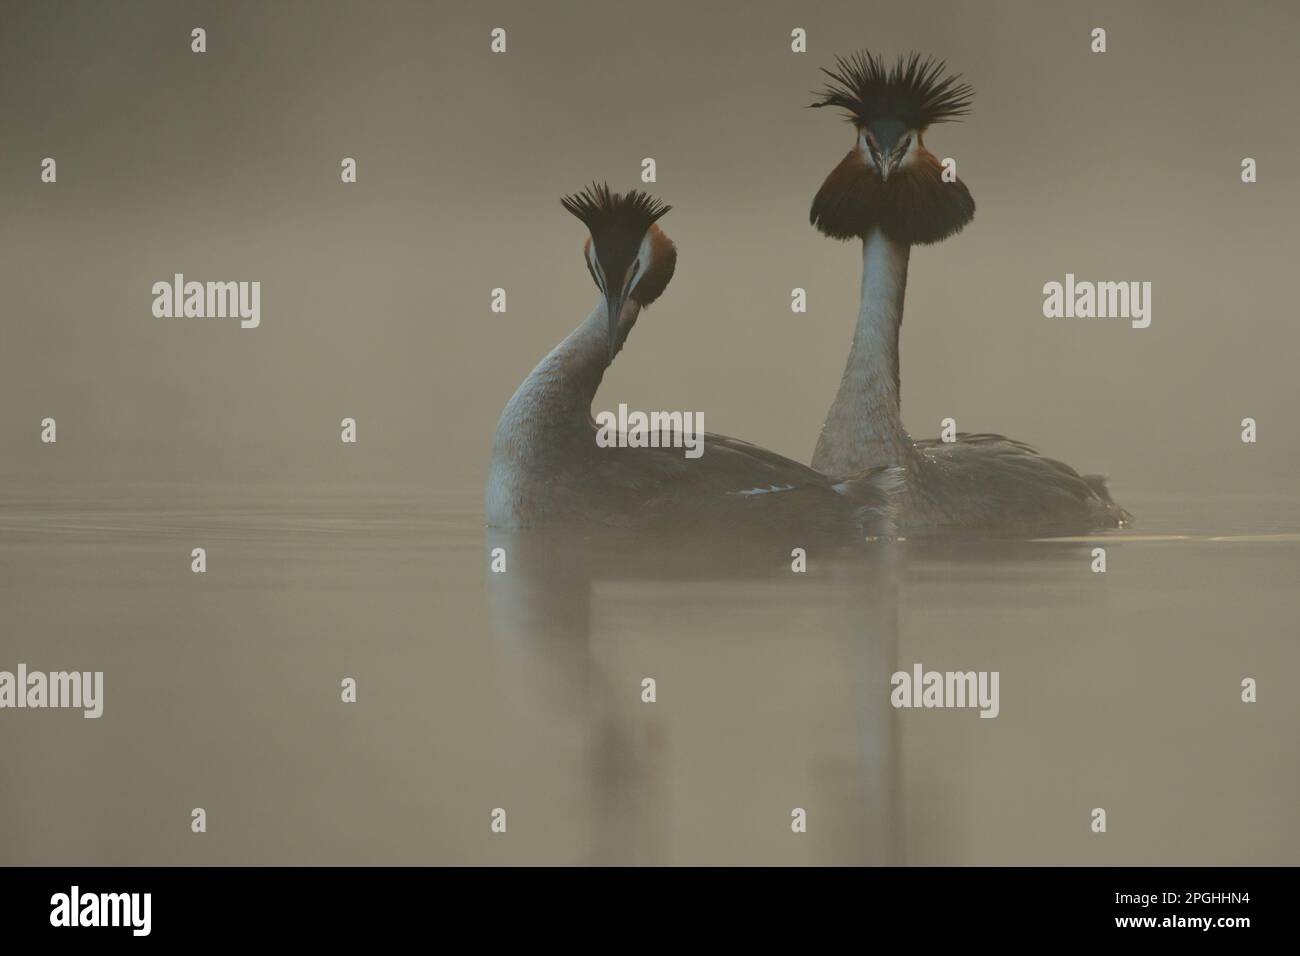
(913, 91)
(618, 223)
(609, 215)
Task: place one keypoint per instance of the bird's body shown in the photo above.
(890, 192)
(979, 482)
(547, 468)
(991, 483)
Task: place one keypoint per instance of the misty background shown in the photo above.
(375, 296)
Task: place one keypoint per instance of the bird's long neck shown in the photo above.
(864, 427)
(552, 407)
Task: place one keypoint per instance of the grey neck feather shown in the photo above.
(864, 427)
(554, 402)
(547, 425)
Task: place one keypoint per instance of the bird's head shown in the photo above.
(628, 255)
(889, 180)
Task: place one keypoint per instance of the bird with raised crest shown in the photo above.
(547, 468)
(891, 192)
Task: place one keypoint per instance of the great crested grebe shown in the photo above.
(890, 192)
(548, 470)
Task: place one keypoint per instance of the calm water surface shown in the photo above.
(523, 690)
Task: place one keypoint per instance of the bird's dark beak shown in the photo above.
(614, 308)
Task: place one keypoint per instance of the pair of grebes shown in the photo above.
(868, 477)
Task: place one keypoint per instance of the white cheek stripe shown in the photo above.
(643, 254)
(908, 155)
